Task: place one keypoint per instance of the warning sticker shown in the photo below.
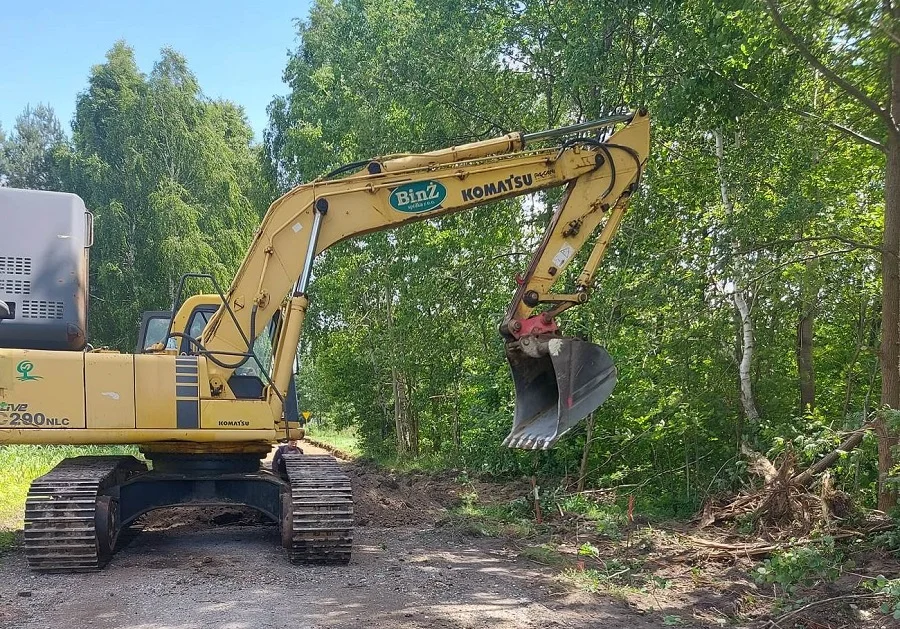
(565, 253)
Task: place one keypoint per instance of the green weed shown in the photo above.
(346, 440)
(513, 519)
(890, 588)
(608, 519)
(671, 620)
(803, 565)
(7, 540)
(544, 554)
(612, 575)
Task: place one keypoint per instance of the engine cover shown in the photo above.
(44, 243)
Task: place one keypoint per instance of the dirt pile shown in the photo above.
(388, 498)
(200, 518)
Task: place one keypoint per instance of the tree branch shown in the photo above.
(856, 135)
(798, 260)
(830, 74)
(794, 241)
(806, 476)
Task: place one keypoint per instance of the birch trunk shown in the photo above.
(401, 425)
(739, 298)
(401, 421)
(747, 345)
(805, 339)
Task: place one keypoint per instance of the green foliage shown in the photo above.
(801, 565)
(543, 554)
(890, 588)
(513, 519)
(174, 182)
(613, 575)
(608, 519)
(415, 310)
(7, 540)
(400, 350)
(26, 156)
(890, 539)
(346, 440)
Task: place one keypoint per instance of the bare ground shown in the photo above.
(224, 569)
(236, 577)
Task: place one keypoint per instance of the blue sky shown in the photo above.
(237, 50)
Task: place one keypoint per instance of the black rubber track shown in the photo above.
(61, 513)
(321, 510)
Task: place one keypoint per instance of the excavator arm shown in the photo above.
(558, 380)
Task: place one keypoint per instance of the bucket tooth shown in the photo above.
(559, 381)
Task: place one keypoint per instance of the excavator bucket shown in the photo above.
(559, 381)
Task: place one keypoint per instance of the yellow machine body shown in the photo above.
(209, 387)
(105, 397)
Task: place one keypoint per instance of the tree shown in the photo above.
(27, 153)
(855, 49)
(418, 306)
(168, 174)
(4, 163)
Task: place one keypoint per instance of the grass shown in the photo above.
(512, 519)
(21, 464)
(544, 554)
(346, 440)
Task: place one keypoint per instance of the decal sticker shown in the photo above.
(25, 368)
(513, 182)
(420, 196)
(12, 414)
(565, 253)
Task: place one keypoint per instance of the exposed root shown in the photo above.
(786, 505)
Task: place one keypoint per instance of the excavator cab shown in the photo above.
(160, 329)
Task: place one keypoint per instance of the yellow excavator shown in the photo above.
(211, 385)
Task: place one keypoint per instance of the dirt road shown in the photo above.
(191, 573)
(236, 577)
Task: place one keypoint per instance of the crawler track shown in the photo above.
(70, 524)
(321, 510)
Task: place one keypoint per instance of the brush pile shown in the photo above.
(789, 503)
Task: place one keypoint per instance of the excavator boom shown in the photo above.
(558, 380)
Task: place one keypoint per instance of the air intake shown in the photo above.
(42, 309)
(15, 266)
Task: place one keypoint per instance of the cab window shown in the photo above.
(154, 326)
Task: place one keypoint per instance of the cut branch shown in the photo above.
(805, 477)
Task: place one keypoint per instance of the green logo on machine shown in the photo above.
(25, 368)
(420, 196)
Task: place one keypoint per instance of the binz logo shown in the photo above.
(514, 182)
(420, 196)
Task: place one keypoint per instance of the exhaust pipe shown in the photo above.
(559, 381)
